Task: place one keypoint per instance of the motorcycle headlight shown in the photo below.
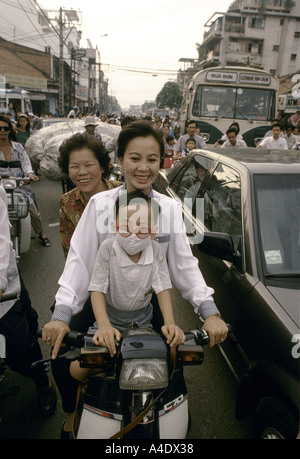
(9, 183)
(143, 374)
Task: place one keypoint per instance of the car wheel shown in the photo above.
(275, 421)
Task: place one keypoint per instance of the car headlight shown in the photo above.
(205, 136)
(257, 140)
(143, 374)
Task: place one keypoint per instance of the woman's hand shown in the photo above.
(53, 334)
(173, 334)
(216, 328)
(33, 177)
(106, 336)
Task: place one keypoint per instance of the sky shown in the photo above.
(141, 42)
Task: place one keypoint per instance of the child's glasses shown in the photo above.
(142, 232)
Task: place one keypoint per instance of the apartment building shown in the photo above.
(264, 33)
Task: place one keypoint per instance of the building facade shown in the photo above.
(40, 52)
(263, 33)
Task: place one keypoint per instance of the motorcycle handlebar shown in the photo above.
(78, 339)
(17, 179)
(8, 297)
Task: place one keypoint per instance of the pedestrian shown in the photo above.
(270, 133)
(22, 347)
(290, 138)
(274, 141)
(126, 266)
(73, 113)
(111, 145)
(232, 140)
(23, 129)
(181, 142)
(14, 161)
(11, 112)
(90, 124)
(140, 148)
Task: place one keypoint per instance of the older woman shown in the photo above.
(85, 160)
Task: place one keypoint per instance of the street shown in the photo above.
(212, 388)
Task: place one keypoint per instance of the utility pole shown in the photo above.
(61, 90)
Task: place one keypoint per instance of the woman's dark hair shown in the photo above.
(27, 127)
(139, 128)
(78, 142)
(5, 119)
(11, 135)
(236, 125)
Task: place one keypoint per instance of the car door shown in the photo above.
(223, 213)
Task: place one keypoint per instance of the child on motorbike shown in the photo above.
(128, 268)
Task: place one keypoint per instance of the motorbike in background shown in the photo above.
(115, 172)
(18, 213)
(138, 393)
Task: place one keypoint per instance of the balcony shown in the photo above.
(235, 28)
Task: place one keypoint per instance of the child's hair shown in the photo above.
(126, 198)
(190, 139)
(169, 138)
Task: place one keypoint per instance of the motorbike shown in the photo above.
(18, 213)
(3, 366)
(140, 393)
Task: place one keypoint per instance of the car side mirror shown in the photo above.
(218, 245)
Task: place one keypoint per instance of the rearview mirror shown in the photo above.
(218, 245)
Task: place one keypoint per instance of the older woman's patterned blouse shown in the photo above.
(72, 205)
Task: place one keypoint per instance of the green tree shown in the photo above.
(170, 96)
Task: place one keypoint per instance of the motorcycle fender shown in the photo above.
(96, 424)
(173, 420)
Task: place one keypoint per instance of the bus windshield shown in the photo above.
(234, 103)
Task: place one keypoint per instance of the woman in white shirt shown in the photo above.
(140, 148)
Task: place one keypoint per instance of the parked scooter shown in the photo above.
(138, 393)
(18, 213)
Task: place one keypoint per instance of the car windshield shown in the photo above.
(234, 103)
(278, 212)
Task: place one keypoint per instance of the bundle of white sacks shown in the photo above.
(43, 146)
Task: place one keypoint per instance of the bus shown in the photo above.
(18, 97)
(218, 96)
(161, 112)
